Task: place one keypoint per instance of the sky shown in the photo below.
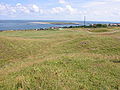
(94, 10)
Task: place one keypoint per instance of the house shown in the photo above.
(114, 24)
(54, 27)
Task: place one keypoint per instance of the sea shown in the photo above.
(27, 25)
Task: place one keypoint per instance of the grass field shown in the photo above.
(68, 59)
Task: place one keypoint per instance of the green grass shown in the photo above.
(97, 30)
(108, 29)
(69, 59)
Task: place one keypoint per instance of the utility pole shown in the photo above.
(84, 21)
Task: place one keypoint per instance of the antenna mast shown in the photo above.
(84, 21)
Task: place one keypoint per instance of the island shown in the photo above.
(57, 23)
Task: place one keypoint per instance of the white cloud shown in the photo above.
(67, 7)
(108, 10)
(6, 9)
(71, 9)
(95, 3)
(113, 0)
(94, 10)
(35, 8)
(19, 8)
(57, 10)
(2, 7)
(18, 4)
(62, 1)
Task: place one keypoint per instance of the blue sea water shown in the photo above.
(26, 24)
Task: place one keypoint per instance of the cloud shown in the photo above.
(95, 3)
(35, 8)
(113, 0)
(62, 1)
(107, 10)
(19, 9)
(57, 10)
(6, 9)
(94, 10)
(71, 9)
(67, 7)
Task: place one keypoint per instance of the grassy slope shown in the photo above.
(70, 59)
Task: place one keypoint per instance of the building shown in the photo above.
(114, 24)
(99, 25)
(54, 27)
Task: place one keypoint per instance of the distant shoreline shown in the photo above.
(56, 23)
